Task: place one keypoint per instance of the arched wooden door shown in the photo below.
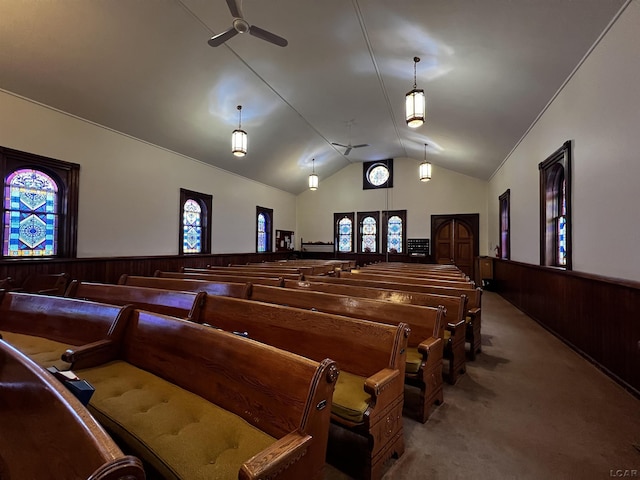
(455, 240)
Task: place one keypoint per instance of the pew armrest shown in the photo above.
(91, 354)
(429, 345)
(474, 312)
(277, 458)
(380, 381)
(453, 327)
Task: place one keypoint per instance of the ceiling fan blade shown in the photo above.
(219, 39)
(234, 9)
(340, 145)
(361, 145)
(268, 36)
(347, 151)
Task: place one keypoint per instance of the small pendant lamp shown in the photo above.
(425, 167)
(239, 137)
(415, 104)
(313, 178)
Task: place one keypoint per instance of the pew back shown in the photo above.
(61, 319)
(227, 289)
(424, 322)
(275, 280)
(362, 346)
(168, 302)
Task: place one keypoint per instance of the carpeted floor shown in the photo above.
(529, 407)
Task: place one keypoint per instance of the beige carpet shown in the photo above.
(529, 407)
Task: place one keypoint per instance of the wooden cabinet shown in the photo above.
(485, 267)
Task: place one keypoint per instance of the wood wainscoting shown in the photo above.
(109, 269)
(596, 316)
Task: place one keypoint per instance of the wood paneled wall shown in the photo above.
(108, 270)
(597, 316)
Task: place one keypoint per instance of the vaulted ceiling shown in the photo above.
(144, 68)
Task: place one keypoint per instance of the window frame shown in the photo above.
(386, 214)
(553, 171)
(67, 176)
(337, 217)
(206, 205)
(361, 217)
(268, 212)
(504, 208)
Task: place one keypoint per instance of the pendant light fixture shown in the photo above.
(313, 178)
(239, 137)
(415, 104)
(425, 167)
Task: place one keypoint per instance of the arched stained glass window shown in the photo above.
(555, 208)
(262, 232)
(31, 216)
(192, 227)
(394, 234)
(345, 234)
(369, 235)
(195, 229)
(561, 225)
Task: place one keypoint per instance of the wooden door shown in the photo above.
(455, 240)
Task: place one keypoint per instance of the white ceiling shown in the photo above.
(143, 67)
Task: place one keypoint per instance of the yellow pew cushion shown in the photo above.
(43, 351)
(180, 434)
(413, 361)
(350, 401)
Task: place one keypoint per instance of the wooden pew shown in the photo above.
(195, 402)
(275, 281)
(369, 394)
(175, 303)
(228, 289)
(455, 307)
(47, 434)
(416, 272)
(44, 327)
(474, 303)
(391, 277)
(44, 283)
(424, 347)
(291, 274)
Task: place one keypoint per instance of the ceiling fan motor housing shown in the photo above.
(241, 25)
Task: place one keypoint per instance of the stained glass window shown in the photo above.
(369, 235)
(561, 228)
(262, 232)
(31, 214)
(378, 175)
(394, 234)
(192, 227)
(345, 234)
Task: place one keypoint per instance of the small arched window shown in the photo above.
(394, 234)
(555, 209)
(345, 229)
(264, 229)
(32, 214)
(195, 227)
(192, 227)
(368, 232)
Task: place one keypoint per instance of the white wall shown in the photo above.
(599, 111)
(447, 193)
(129, 189)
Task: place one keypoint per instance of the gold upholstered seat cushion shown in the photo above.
(180, 434)
(350, 401)
(43, 351)
(413, 361)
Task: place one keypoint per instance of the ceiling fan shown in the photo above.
(240, 25)
(350, 146)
